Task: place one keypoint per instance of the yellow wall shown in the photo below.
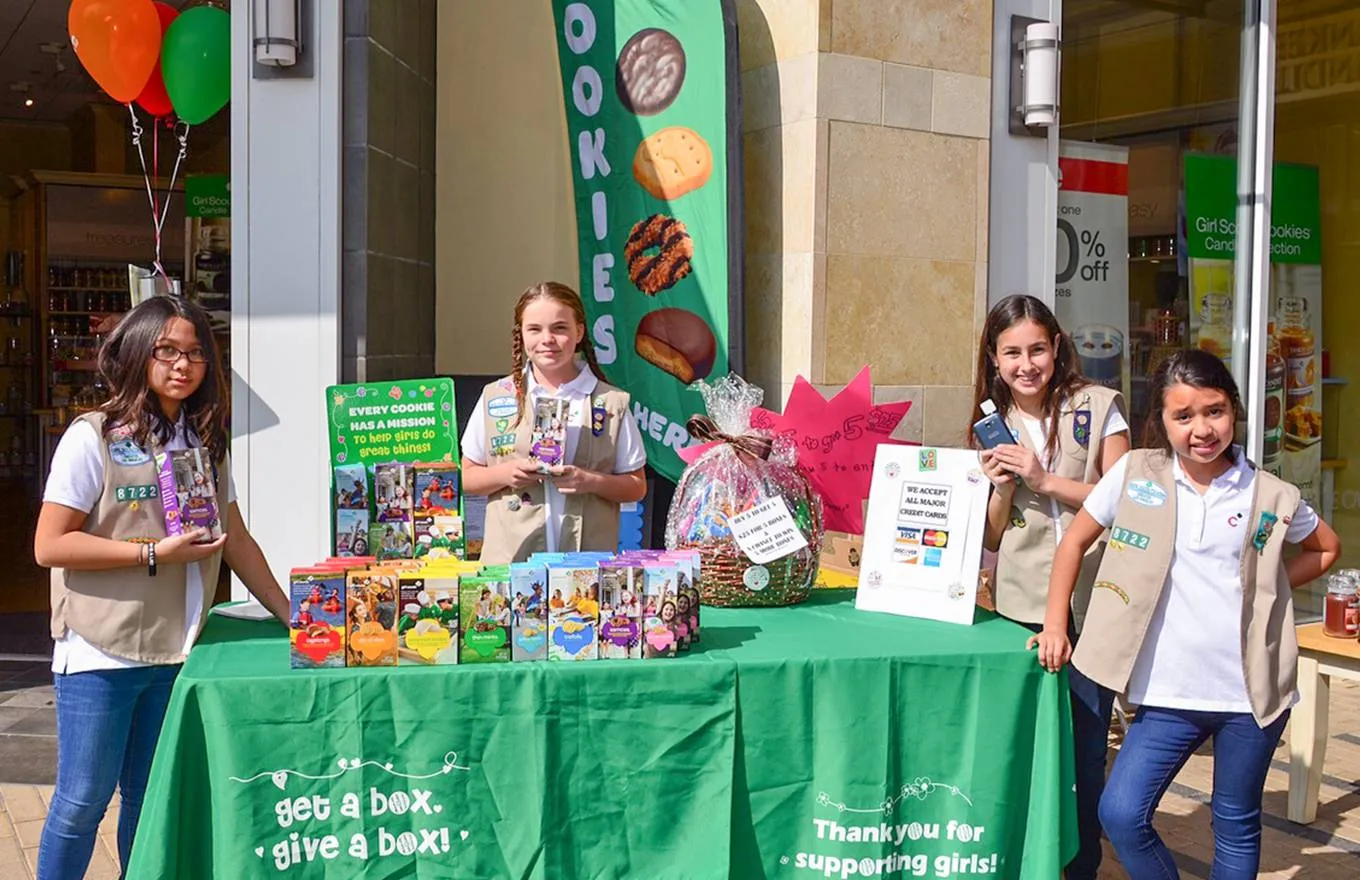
(504, 217)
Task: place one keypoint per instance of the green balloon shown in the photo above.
(196, 63)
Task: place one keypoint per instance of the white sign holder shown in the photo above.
(923, 533)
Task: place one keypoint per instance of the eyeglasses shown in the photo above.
(169, 354)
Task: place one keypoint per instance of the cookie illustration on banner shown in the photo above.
(673, 162)
(650, 71)
(659, 253)
(678, 342)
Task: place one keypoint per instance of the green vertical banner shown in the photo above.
(1292, 447)
(653, 125)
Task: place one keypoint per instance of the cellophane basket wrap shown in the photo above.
(746, 468)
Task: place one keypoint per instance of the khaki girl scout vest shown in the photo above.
(516, 519)
(125, 611)
(1025, 558)
(1131, 582)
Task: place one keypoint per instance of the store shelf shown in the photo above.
(88, 289)
(1337, 381)
(1334, 464)
(74, 366)
(93, 313)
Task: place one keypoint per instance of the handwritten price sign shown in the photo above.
(836, 440)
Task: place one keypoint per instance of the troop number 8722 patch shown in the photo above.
(124, 494)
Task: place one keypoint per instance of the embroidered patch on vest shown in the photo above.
(507, 383)
(122, 432)
(1146, 493)
(1081, 427)
(512, 503)
(929, 460)
(502, 407)
(124, 494)
(128, 454)
(1121, 537)
(503, 444)
(597, 414)
(1113, 588)
(1017, 518)
(1263, 531)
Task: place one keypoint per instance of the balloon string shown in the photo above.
(137, 132)
(159, 212)
(155, 176)
(181, 135)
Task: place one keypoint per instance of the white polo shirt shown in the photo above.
(76, 480)
(629, 454)
(1037, 429)
(1192, 656)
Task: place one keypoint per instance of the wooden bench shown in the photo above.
(1320, 658)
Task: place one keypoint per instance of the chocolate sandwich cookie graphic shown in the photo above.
(650, 71)
(678, 342)
(658, 252)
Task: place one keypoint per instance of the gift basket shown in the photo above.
(745, 469)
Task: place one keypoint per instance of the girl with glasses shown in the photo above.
(128, 600)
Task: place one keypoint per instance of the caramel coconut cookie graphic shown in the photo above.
(672, 162)
(658, 252)
(650, 71)
(678, 342)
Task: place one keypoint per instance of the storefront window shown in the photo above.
(1150, 104)
(1156, 151)
(1317, 142)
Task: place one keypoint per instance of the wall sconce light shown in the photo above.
(1034, 76)
(279, 35)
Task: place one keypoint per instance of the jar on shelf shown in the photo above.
(1340, 616)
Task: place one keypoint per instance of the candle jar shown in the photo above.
(1340, 616)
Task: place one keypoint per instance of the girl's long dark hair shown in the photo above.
(1066, 379)
(1198, 369)
(123, 360)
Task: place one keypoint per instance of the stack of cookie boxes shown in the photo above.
(356, 611)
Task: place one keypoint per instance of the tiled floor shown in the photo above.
(1329, 849)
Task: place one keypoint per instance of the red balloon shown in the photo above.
(154, 99)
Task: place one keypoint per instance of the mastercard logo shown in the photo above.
(935, 538)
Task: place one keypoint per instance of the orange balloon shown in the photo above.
(118, 41)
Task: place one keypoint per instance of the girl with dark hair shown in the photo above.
(127, 600)
(1193, 618)
(575, 505)
(1068, 432)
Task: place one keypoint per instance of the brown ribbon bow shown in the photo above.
(704, 429)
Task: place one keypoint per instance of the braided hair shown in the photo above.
(559, 293)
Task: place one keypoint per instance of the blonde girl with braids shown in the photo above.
(575, 505)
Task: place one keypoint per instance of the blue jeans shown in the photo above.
(107, 725)
(1092, 705)
(1158, 744)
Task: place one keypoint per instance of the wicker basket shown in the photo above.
(728, 578)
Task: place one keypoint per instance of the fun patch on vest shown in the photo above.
(1081, 427)
(1146, 493)
(502, 407)
(127, 453)
(1264, 530)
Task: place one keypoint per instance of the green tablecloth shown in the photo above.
(802, 742)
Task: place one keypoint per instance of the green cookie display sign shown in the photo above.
(653, 119)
